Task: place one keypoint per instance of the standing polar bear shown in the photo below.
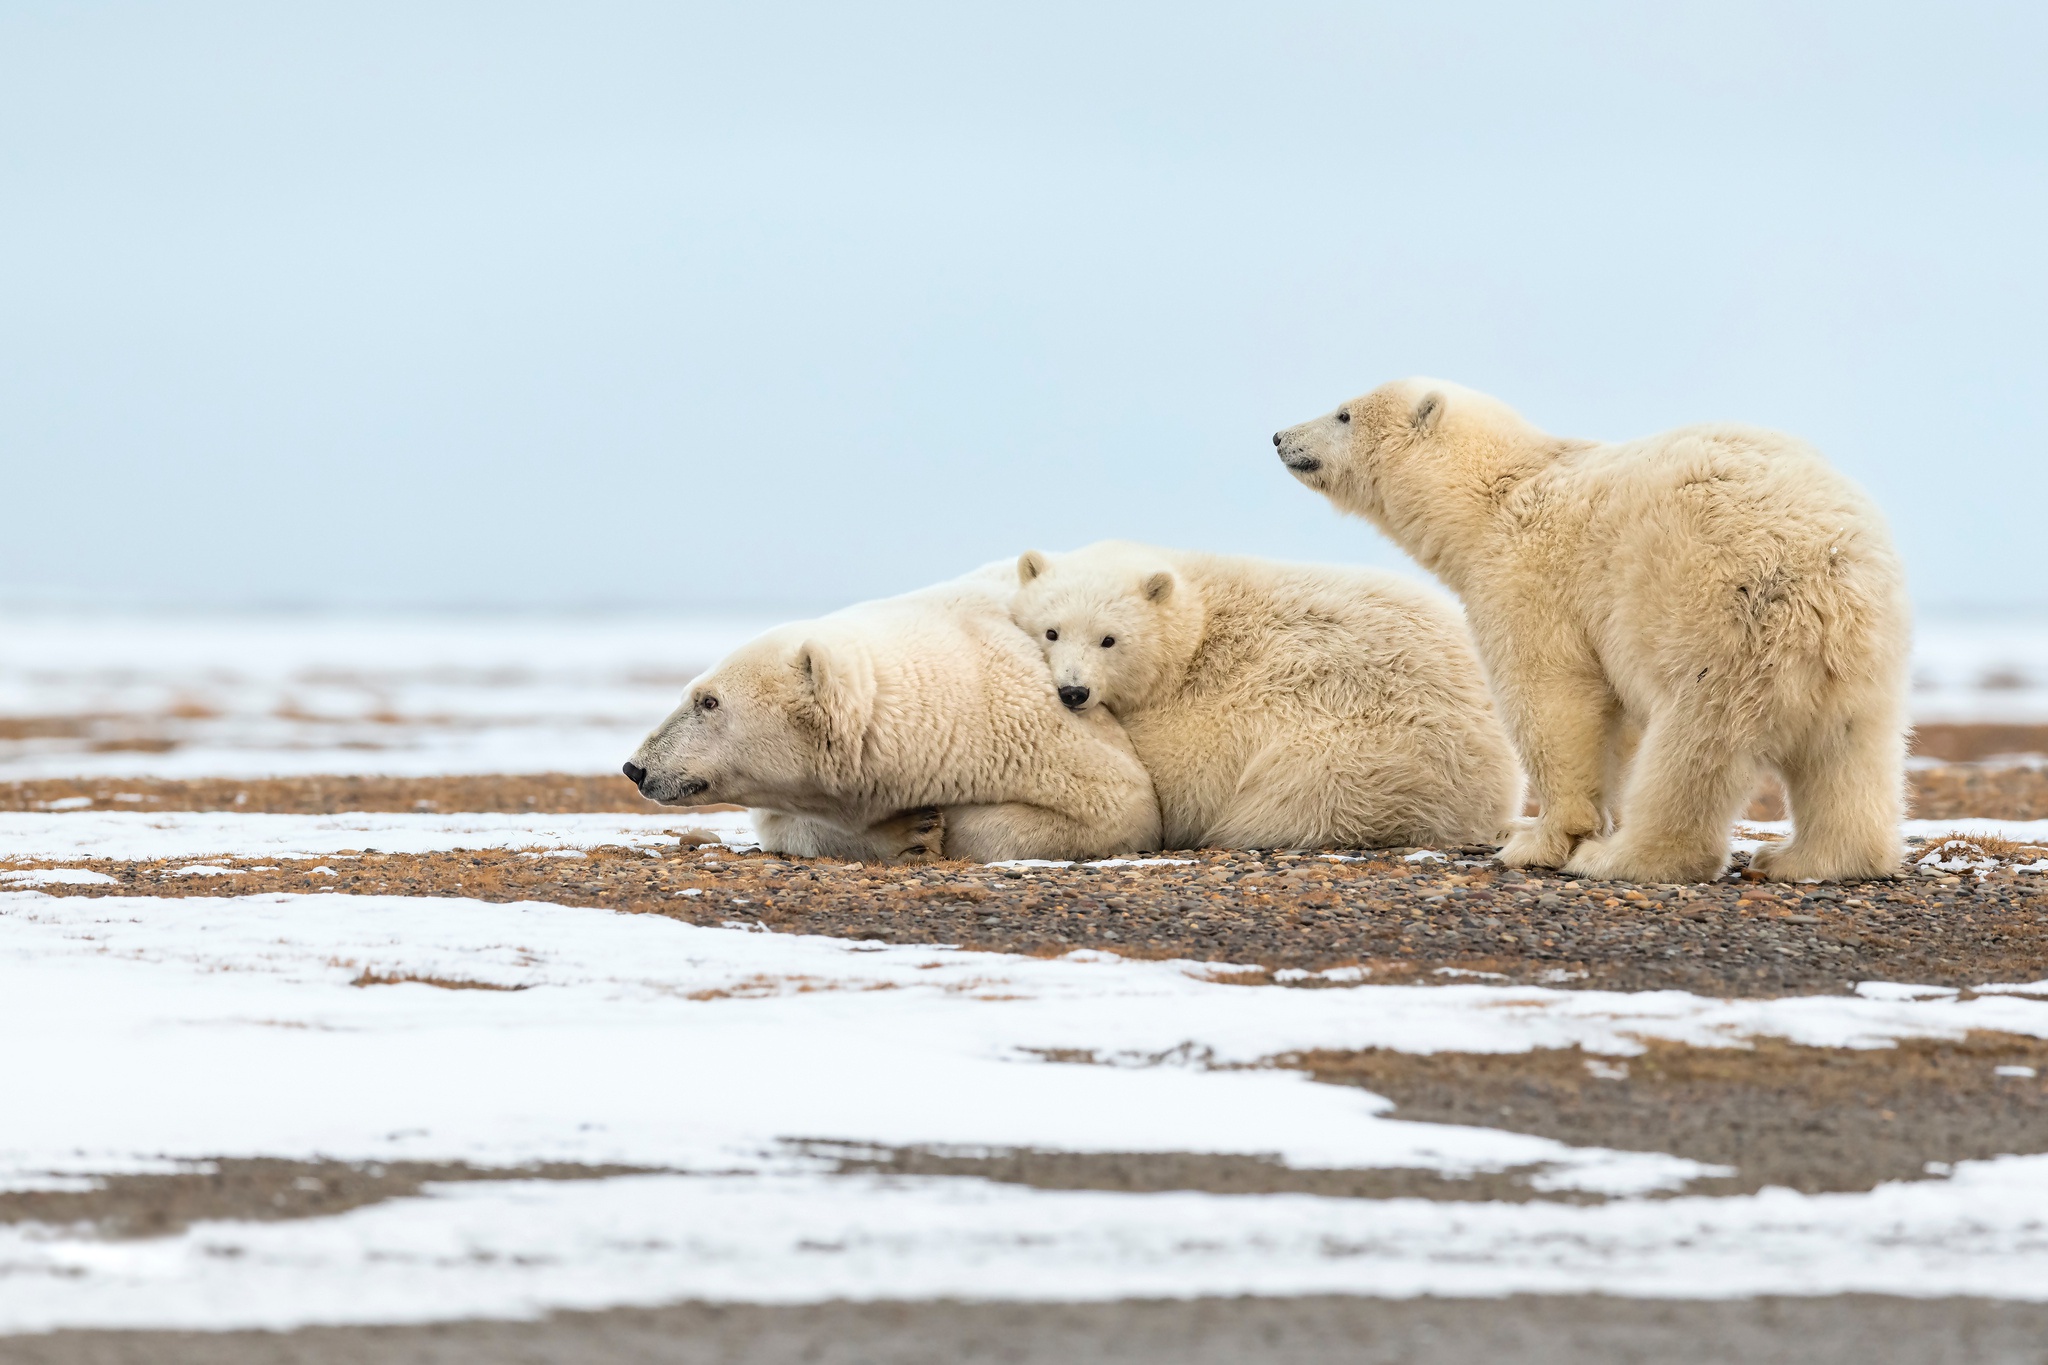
(1277, 705)
(1718, 589)
(846, 732)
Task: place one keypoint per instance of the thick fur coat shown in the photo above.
(917, 726)
(1659, 618)
(1277, 705)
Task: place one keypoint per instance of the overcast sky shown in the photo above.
(779, 306)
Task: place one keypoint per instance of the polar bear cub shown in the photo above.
(1277, 705)
(1718, 590)
(844, 734)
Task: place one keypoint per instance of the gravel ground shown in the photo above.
(255, 1189)
(1522, 1330)
(1814, 1119)
(531, 793)
(1402, 920)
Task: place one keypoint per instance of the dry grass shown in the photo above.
(1958, 844)
(446, 983)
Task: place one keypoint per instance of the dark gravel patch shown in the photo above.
(259, 1189)
(1849, 1329)
(1158, 1172)
(533, 793)
(1402, 921)
(1811, 1119)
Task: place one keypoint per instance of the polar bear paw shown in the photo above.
(915, 836)
(1789, 862)
(1612, 858)
(1536, 844)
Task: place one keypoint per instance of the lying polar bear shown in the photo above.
(1719, 589)
(918, 726)
(1277, 705)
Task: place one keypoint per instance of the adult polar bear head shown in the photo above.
(771, 726)
(1114, 621)
(872, 718)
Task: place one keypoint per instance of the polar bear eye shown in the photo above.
(1344, 416)
(707, 703)
(1052, 635)
(1108, 640)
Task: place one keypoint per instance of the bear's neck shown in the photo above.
(1181, 625)
(1453, 526)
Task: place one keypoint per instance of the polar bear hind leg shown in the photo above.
(1685, 784)
(1323, 789)
(1844, 792)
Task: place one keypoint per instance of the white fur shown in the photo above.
(1278, 705)
(1659, 618)
(861, 734)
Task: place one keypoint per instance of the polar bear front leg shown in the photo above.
(1556, 711)
(1016, 829)
(913, 836)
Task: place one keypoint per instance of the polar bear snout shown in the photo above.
(673, 791)
(635, 774)
(1292, 454)
(1073, 697)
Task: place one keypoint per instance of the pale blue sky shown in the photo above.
(405, 304)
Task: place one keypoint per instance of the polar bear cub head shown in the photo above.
(1111, 620)
(773, 724)
(1403, 440)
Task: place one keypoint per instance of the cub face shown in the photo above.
(1093, 628)
(1342, 454)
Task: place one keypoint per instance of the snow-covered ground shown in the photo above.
(151, 1030)
(1968, 670)
(252, 695)
(143, 836)
(147, 1031)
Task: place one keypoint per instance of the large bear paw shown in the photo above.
(915, 836)
(1612, 858)
(1536, 844)
(1789, 862)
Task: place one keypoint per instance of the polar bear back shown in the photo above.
(1295, 704)
(1726, 548)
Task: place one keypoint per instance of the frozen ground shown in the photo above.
(252, 695)
(145, 836)
(196, 1028)
(160, 1034)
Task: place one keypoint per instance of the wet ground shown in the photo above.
(1518, 1330)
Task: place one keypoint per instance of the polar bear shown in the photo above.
(1716, 596)
(1277, 705)
(917, 726)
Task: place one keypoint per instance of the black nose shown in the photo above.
(1074, 697)
(635, 773)
(1276, 440)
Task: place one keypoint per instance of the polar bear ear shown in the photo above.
(1030, 565)
(841, 689)
(1428, 412)
(1159, 586)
